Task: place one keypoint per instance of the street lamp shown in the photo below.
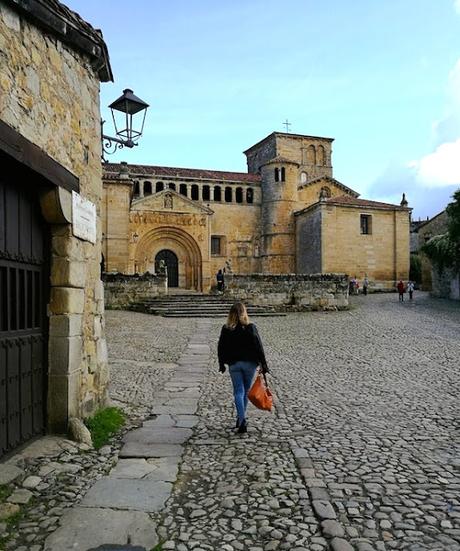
(129, 105)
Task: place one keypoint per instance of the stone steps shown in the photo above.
(196, 306)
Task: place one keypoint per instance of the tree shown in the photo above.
(444, 250)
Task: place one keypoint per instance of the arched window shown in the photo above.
(249, 195)
(303, 177)
(239, 195)
(147, 188)
(283, 174)
(277, 174)
(217, 193)
(311, 155)
(206, 194)
(183, 190)
(228, 194)
(136, 188)
(172, 185)
(195, 192)
(158, 187)
(321, 156)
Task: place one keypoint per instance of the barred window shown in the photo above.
(215, 245)
(366, 224)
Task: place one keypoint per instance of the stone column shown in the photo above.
(141, 189)
(211, 193)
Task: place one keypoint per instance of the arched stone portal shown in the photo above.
(182, 245)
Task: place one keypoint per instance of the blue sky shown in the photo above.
(382, 77)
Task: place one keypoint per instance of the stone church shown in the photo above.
(287, 214)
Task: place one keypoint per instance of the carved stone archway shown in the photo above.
(182, 245)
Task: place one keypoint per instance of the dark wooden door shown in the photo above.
(172, 264)
(23, 327)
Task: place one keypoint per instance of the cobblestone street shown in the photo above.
(361, 452)
(363, 444)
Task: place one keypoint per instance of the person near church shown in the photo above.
(351, 286)
(410, 289)
(240, 348)
(401, 290)
(220, 281)
(365, 285)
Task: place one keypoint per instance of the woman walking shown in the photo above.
(241, 349)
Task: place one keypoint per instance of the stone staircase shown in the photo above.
(196, 305)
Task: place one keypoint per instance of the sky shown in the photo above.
(381, 77)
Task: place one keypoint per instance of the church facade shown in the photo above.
(287, 214)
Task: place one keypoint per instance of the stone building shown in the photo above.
(287, 214)
(53, 359)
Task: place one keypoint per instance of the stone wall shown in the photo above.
(121, 291)
(446, 284)
(49, 93)
(290, 291)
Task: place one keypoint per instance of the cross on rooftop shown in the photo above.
(287, 124)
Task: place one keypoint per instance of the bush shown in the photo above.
(104, 424)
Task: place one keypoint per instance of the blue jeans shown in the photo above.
(242, 374)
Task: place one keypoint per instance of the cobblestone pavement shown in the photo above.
(368, 401)
(142, 352)
(361, 452)
(40, 483)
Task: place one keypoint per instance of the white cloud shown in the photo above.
(440, 168)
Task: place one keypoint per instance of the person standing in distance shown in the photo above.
(241, 349)
(401, 290)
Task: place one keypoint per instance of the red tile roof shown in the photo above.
(114, 169)
(353, 201)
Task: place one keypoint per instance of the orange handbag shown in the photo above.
(259, 393)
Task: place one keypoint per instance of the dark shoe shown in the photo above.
(237, 423)
(243, 428)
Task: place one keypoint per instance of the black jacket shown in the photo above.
(241, 344)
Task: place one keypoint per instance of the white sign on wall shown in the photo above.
(83, 218)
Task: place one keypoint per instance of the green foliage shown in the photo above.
(158, 547)
(415, 273)
(444, 250)
(4, 493)
(439, 249)
(104, 424)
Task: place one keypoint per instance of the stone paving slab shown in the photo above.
(150, 435)
(84, 528)
(174, 409)
(138, 449)
(160, 468)
(131, 494)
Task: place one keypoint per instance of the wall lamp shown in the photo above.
(128, 105)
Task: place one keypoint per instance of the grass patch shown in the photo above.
(158, 547)
(4, 492)
(13, 520)
(104, 424)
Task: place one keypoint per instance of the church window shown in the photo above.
(239, 195)
(228, 195)
(216, 245)
(249, 195)
(217, 193)
(159, 187)
(311, 155)
(277, 174)
(147, 188)
(183, 189)
(172, 185)
(195, 193)
(303, 177)
(321, 156)
(136, 188)
(206, 194)
(366, 224)
(283, 174)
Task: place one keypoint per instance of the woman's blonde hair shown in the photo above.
(237, 314)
